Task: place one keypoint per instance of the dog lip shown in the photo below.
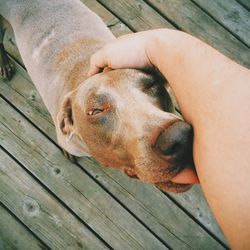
(181, 174)
(174, 187)
(168, 183)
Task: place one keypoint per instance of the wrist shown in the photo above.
(164, 46)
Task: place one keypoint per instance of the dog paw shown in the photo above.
(69, 156)
(6, 67)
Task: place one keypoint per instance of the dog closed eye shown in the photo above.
(153, 90)
(95, 111)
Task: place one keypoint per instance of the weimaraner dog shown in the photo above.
(124, 118)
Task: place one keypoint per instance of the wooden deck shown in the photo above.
(47, 202)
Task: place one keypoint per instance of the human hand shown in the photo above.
(128, 51)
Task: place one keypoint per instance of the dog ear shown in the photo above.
(65, 119)
(66, 129)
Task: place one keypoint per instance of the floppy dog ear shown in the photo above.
(66, 129)
(65, 118)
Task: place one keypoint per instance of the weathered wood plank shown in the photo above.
(231, 15)
(72, 185)
(136, 14)
(157, 204)
(35, 207)
(10, 45)
(22, 81)
(13, 235)
(114, 24)
(185, 15)
(245, 3)
(141, 199)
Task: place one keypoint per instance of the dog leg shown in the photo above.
(6, 67)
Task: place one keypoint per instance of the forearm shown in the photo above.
(197, 73)
(213, 93)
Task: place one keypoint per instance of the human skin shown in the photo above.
(213, 93)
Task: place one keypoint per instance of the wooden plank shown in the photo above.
(38, 210)
(231, 15)
(136, 14)
(245, 3)
(29, 92)
(196, 205)
(10, 45)
(114, 24)
(186, 15)
(14, 235)
(140, 198)
(72, 185)
(157, 204)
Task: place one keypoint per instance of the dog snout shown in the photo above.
(176, 143)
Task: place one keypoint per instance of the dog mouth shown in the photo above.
(178, 180)
(181, 182)
(174, 145)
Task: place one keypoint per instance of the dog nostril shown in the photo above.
(176, 140)
(173, 149)
(168, 147)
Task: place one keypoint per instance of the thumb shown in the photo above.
(97, 62)
(93, 70)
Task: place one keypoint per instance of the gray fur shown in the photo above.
(42, 30)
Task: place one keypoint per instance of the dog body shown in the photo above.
(55, 50)
(122, 117)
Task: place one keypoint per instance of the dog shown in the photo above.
(124, 118)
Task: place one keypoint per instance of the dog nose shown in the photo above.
(176, 141)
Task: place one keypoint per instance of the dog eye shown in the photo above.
(153, 89)
(95, 111)
(149, 84)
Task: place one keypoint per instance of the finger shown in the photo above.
(93, 70)
(97, 63)
(107, 69)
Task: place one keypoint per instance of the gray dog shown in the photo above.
(123, 118)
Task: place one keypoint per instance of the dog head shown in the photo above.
(124, 118)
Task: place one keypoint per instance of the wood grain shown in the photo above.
(39, 211)
(14, 235)
(231, 15)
